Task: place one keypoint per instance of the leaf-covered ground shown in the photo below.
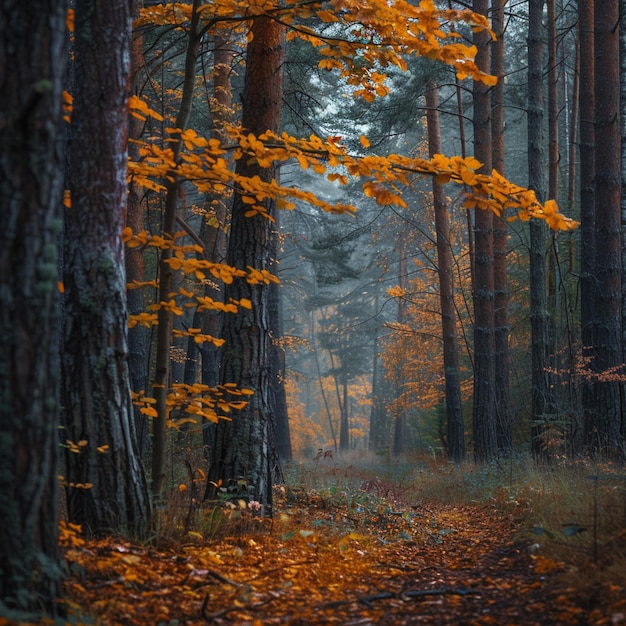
(324, 561)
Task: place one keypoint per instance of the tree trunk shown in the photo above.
(96, 389)
(244, 456)
(214, 225)
(399, 423)
(318, 369)
(603, 411)
(540, 389)
(484, 417)
(380, 426)
(623, 163)
(587, 198)
(344, 423)
(138, 336)
(552, 276)
(31, 186)
(553, 108)
(278, 367)
(500, 241)
(162, 377)
(454, 411)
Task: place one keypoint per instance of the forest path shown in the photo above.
(320, 561)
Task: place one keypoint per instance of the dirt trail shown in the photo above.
(323, 564)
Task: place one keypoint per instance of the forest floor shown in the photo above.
(358, 559)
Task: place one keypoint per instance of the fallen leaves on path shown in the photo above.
(321, 563)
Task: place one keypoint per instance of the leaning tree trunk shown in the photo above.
(31, 188)
(96, 389)
(454, 410)
(484, 418)
(244, 457)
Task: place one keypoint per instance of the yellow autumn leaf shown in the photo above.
(69, 20)
(396, 292)
(468, 177)
(364, 141)
(327, 16)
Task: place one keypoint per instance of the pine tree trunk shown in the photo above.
(138, 336)
(31, 186)
(244, 455)
(454, 411)
(623, 163)
(399, 424)
(540, 391)
(96, 388)
(277, 363)
(380, 426)
(214, 225)
(603, 412)
(484, 416)
(587, 200)
(500, 241)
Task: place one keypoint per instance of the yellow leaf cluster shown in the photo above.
(198, 336)
(142, 319)
(68, 102)
(189, 404)
(139, 108)
(377, 34)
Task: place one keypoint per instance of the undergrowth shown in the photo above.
(572, 513)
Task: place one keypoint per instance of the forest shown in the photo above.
(312, 312)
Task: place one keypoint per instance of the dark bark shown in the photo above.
(96, 389)
(623, 163)
(244, 453)
(587, 166)
(587, 197)
(454, 410)
(138, 336)
(552, 270)
(32, 60)
(214, 226)
(500, 241)
(603, 409)
(553, 109)
(484, 416)
(278, 368)
(541, 395)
